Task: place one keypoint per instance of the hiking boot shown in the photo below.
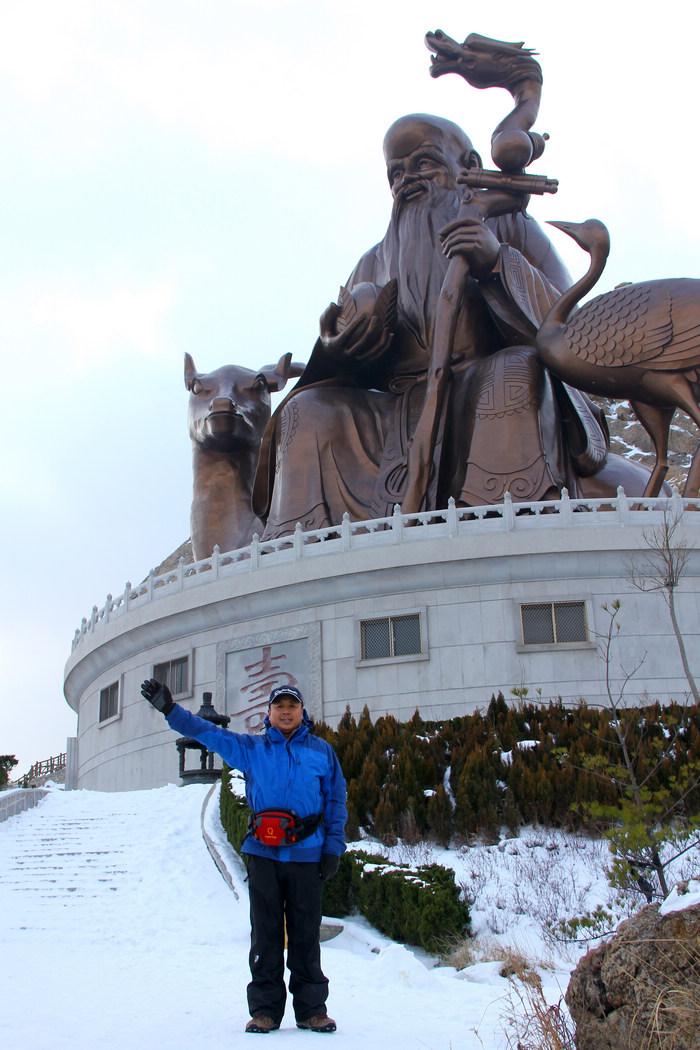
(318, 1023)
(261, 1023)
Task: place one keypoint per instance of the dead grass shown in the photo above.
(668, 1015)
(485, 948)
(531, 1023)
(461, 954)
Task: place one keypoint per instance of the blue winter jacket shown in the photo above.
(302, 773)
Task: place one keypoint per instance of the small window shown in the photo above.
(175, 674)
(390, 636)
(109, 702)
(554, 623)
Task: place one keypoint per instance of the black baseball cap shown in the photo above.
(285, 690)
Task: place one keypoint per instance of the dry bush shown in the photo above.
(546, 877)
(531, 1023)
(412, 854)
(461, 954)
(514, 962)
(513, 959)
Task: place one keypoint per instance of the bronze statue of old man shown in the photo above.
(341, 441)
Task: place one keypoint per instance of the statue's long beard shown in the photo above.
(411, 252)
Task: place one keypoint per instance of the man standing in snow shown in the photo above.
(296, 791)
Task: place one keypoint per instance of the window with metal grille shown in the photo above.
(109, 701)
(554, 623)
(174, 674)
(390, 636)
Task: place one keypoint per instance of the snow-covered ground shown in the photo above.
(118, 930)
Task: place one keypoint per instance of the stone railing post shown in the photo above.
(566, 512)
(345, 532)
(397, 524)
(452, 520)
(623, 507)
(298, 541)
(677, 506)
(508, 512)
(255, 552)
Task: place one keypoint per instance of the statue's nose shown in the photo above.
(222, 404)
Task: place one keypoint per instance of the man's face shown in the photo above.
(418, 156)
(286, 714)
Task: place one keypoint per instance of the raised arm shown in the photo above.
(234, 748)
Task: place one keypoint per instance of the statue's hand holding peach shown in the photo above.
(358, 330)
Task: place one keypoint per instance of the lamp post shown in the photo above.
(207, 773)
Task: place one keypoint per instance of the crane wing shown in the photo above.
(655, 324)
(607, 330)
(682, 353)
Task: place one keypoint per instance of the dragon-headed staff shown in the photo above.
(483, 63)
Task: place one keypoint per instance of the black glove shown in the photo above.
(328, 867)
(157, 694)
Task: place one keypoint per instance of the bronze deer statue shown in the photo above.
(228, 411)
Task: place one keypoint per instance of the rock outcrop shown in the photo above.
(628, 438)
(642, 989)
(170, 563)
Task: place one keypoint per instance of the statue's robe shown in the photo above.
(339, 441)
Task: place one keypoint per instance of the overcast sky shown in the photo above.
(201, 177)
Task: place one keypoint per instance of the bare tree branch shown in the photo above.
(661, 570)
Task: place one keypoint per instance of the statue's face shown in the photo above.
(417, 155)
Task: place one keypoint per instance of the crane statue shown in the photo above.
(640, 342)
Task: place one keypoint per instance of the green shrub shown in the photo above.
(340, 894)
(401, 775)
(234, 812)
(420, 906)
(7, 762)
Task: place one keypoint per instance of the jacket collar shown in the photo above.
(276, 735)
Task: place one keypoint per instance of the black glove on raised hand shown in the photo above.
(328, 867)
(157, 694)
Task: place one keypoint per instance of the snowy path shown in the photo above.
(118, 930)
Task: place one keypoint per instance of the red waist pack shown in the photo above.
(277, 827)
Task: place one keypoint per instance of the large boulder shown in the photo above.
(641, 989)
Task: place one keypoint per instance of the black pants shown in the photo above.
(279, 891)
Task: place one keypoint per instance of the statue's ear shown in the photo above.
(472, 160)
(190, 372)
(276, 376)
